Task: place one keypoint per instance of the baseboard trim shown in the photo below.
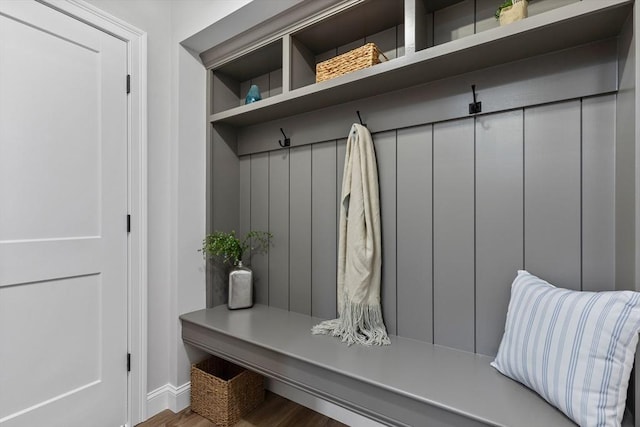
(170, 397)
(176, 399)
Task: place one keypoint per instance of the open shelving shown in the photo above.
(262, 67)
(564, 27)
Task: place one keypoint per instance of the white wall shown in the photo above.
(176, 162)
(189, 99)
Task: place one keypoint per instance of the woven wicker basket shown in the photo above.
(356, 59)
(223, 392)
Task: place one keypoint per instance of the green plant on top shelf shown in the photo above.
(232, 248)
(506, 4)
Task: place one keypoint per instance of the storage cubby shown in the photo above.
(425, 41)
(262, 67)
(375, 21)
(443, 21)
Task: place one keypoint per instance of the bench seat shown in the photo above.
(409, 383)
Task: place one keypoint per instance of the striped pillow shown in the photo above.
(575, 349)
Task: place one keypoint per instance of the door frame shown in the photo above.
(136, 41)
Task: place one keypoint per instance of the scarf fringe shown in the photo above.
(358, 324)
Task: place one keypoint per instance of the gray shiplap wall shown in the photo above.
(464, 204)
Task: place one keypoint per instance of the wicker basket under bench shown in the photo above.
(223, 392)
(356, 59)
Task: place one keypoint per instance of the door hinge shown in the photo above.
(128, 223)
(128, 83)
(128, 362)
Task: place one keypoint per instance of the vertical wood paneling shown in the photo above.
(386, 41)
(350, 46)
(225, 186)
(485, 15)
(244, 89)
(538, 7)
(324, 56)
(385, 146)
(453, 234)
(414, 233)
(499, 222)
(245, 200)
(224, 201)
(275, 82)
(225, 92)
(454, 22)
(323, 230)
(598, 193)
(279, 227)
(300, 230)
(464, 204)
(626, 167)
(260, 221)
(552, 193)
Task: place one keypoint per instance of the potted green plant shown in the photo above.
(231, 249)
(511, 11)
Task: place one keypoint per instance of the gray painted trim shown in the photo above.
(230, 37)
(627, 162)
(563, 29)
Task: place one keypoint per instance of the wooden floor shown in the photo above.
(275, 411)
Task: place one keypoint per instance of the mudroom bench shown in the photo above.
(409, 383)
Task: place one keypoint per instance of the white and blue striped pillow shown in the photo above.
(575, 349)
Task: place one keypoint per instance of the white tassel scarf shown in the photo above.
(360, 249)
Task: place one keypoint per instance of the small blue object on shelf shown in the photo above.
(253, 95)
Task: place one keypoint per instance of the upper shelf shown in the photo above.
(568, 26)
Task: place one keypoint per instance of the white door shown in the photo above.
(63, 207)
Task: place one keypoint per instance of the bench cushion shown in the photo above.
(575, 349)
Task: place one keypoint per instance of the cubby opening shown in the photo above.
(262, 67)
(442, 21)
(375, 21)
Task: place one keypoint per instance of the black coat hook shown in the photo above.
(475, 107)
(360, 118)
(287, 141)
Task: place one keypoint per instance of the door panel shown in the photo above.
(63, 239)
